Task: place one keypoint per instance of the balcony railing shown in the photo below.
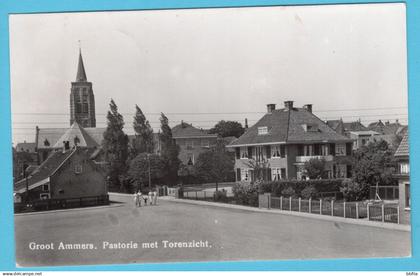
(303, 159)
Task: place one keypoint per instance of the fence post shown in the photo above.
(281, 203)
(320, 206)
(383, 212)
(398, 214)
(269, 201)
(357, 210)
(368, 211)
(332, 207)
(300, 204)
(290, 203)
(310, 205)
(344, 209)
(196, 195)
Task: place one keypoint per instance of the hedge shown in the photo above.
(283, 187)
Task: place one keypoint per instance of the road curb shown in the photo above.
(391, 226)
(70, 210)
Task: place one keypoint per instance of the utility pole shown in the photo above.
(25, 175)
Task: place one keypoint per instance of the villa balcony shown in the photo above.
(303, 159)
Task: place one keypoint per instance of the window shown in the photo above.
(246, 174)
(407, 196)
(205, 143)
(310, 127)
(78, 169)
(244, 153)
(278, 173)
(44, 196)
(308, 150)
(325, 150)
(340, 149)
(404, 168)
(259, 151)
(45, 188)
(85, 108)
(278, 151)
(189, 144)
(262, 130)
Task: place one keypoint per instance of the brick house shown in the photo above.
(403, 177)
(191, 141)
(66, 173)
(284, 139)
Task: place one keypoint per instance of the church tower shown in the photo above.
(82, 100)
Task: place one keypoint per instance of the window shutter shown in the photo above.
(282, 151)
(300, 150)
(332, 149)
(268, 151)
(250, 152)
(269, 174)
(238, 174)
(238, 153)
(348, 148)
(317, 150)
(283, 173)
(349, 170)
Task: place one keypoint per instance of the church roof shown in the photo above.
(49, 138)
(76, 135)
(81, 74)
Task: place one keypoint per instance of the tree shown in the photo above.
(215, 164)
(169, 151)
(373, 165)
(115, 145)
(143, 141)
(227, 128)
(139, 169)
(315, 168)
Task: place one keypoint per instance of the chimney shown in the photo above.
(288, 105)
(246, 123)
(271, 108)
(308, 107)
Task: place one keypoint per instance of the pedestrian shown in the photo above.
(139, 197)
(145, 200)
(155, 195)
(136, 199)
(150, 198)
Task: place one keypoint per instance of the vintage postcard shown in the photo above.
(194, 135)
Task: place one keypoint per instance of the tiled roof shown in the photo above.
(288, 126)
(403, 148)
(354, 126)
(185, 130)
(52, 163)
(387, 128)
(76, 132)
(27, 147)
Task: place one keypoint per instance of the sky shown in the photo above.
(205, 65)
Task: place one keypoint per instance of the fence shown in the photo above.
(52, 204)
(355, 210)
(203, 195)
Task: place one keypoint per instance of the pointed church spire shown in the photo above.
(81, 74)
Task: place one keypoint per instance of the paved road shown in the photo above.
(230, 235)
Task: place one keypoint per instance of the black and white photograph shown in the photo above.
(210, 134)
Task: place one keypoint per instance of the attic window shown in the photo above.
(310, 127)
(46, 143)
(262, 130)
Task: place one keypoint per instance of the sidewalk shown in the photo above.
(391, 226)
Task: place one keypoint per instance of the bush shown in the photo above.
(308, 192)
(352, 191)
(221, 196)
(246, 193)
(288, 192)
